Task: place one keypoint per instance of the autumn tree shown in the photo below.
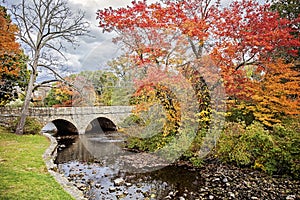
(173, 36)
(257, 42)
(277, 94)
(87, 88)
(210, 46)
(60, 95)
(164, 37)
(45, 26)
(13, 71)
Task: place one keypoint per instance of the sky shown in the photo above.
(93, 52)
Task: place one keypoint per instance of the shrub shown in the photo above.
(240, 115)
(286, 155)
(275, 152)
(132, 120)
(245, 146)
(32, 126)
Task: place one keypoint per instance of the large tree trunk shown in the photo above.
(25, 107)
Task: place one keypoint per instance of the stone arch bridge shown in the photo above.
(73, 119)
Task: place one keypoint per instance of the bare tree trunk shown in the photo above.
(44, 26)
(25, 107)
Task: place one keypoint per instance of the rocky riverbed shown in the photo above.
(108, 176)
(214, 181)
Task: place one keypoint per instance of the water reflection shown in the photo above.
(70, 148)
(94, 161)
(106, 146)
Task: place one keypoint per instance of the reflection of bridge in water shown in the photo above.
(90, 147)
(73, 119)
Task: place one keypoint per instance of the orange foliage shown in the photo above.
(276, 94)
(9, 48)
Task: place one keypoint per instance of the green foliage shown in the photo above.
(15, 104)
(196, 161)
(132, 120)
(53, 98)
(287, 8)
(32, 126)
(23, 171)
(286, 155)
(240, 115)
(151, 144)
(275, 152)
(104, 84)
(122, 95)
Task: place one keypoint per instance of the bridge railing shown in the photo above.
(12, 111)
(42, 111)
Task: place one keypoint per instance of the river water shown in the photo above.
(99, 166)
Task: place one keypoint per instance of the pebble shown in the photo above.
(291, 197)
(225, 180)
(231, 195)
(81, 187)
(112, 189)
(214, 182)
(119, 181)
(128, 184)
(216, 179)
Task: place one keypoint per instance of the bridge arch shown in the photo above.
(101, 124)
(64, 126)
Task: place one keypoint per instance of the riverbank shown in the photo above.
(23, 171)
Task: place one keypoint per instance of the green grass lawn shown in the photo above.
(23, 173)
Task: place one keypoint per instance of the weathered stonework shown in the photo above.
(80, 117)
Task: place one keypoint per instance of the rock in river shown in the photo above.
(119, 181)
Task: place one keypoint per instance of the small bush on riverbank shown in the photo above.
(274, 151)
(32, 126)
(23, 171)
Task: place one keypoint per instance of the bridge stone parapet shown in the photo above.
(80, 117)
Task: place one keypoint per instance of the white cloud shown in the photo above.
(94, 52)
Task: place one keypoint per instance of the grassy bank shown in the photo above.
(23, 174)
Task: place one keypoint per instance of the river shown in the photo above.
(95, 164)
(99, 165)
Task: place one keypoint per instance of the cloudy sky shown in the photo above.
(94, 52)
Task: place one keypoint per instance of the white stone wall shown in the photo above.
(79, 116)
